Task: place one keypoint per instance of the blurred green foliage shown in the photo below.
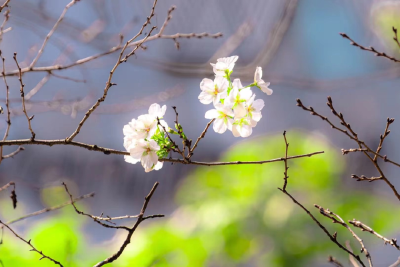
(229, 215)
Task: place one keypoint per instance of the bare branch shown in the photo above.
(40, 52)
(334, 261)
(119, 61)
(89, 215)
(109, 151)
(336, 219)
(366, 228)
(7, 106)
(50, 209)
(23, 98)
(140, 219)
(369, 49)
(4, 5)
(285, 173)
(33, 248)
(200, 137)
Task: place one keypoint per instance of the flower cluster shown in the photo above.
(235, 107)
(145, 139)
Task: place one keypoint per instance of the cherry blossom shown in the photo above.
(213, 91)
(237, 98)
(260, 82)
(242, 127)
(224, 65)
(253, 109)
(223, 118)
(145, 152)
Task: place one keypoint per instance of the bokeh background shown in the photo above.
(221, 216)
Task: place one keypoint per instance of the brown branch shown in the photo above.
(13, 195)
(119, 61)
(40, 52)
(366, 228)
(382, 137)
(32, 247)
(4, 5)
(364, 178)
(331, 237)
(12, 154)
(200, 137)
(7, 106)
(395, 38)
(337, 219)
(351, 258)
(109, 151)
(285, 173)
(50, 209)
(6, 18)
(23, 98)
(89, 215)
(353, 135)
(369, 49)
(140, 219)
(334, 261)
(112, 50)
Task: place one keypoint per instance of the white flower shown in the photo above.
(224, 64)
(157, 111)
(237, 99)
(213, 91)
(260, 82)
(253, 109)
(223, 118)
(242, 127)
(145, 126)
(146, 152)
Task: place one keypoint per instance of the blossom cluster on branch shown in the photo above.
(235, 107)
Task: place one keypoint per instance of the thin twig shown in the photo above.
(40, 52)
(7, 106)
(30, 244)
(4, 5)
(50, 209)
(285, 173)
(113, 50)
(369, 49)
(119, 61)
(353, 135)
(331, 237)
(364, 178)
(334, 261)
(395, 38)
(23, 98)
(337, 219)
(12, 154)
(366, 228)
(13, 195)
(89, 215)
(140, 219)
(200, 137)
(382, 137)
(351, 258)
(4, 187)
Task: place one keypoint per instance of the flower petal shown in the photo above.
(212, 114)
(219, 126)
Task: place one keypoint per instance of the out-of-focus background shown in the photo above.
(221, 216)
